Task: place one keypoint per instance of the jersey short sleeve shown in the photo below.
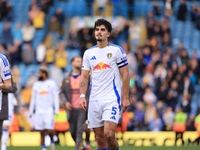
(5, 69)
(85, 65)
(121, 58)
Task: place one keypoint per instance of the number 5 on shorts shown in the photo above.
(114, 112)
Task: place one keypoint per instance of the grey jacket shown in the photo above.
(4, 110)
(65, 91)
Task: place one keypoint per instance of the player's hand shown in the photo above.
(83, 103)
(125, 104)
(68, 106)
(30, 116)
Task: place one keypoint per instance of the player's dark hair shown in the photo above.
(104, 22)
(73, 58)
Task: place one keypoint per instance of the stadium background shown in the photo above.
(164, 45)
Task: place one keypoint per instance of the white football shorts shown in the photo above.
(9, 121)
(103, 110)
(44, 121)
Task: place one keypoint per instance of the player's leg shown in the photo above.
(4, 138)
(51, 134)
(39, 126)
(109, 132)
(5, 134)
(73, 124)
(42, 135)
(48, 125)
(80, 128)
(96, 123)
(87, 138)
(111, 114)
(100, 138)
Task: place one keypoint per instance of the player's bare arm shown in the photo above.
(6, 86)
(83, 88)
(126, 79)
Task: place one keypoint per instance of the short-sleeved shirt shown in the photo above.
(105, 75)
(4, 72)
(44, 92)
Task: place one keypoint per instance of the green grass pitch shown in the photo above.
(121, 148)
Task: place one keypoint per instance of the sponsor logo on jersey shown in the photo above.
(101, 66)
(109, 55)
(44, 92)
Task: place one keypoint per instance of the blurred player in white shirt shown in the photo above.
(108, 63)
(9, 96)
(5, 85)
(45, 100)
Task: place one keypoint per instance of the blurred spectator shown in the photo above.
(101, 6)
(37, 17)
(194, 55)
(138, 119)
(14, 53)
(73, 40)
(56, 74)
(182, 11)
(26, 95)
(188, 89)
(184, 57)
(59, 15)
(9, 12)
(31, 80)
(179, 124)
(150, 114)
(7, 34)
(133, 101)
(160, 72)
(147, 55)
(192, 77)
(198, 19)
(4, 52)
(172, 95)
(161, 89)
(156, 124)
(179, 50)
(44, 6)
(194, 66)
(40, 52)
(150, 28)
(2, 9)
(135, 34)
(86, 39)
(193, 12)
(149, 74)
(149, 97)
(28, 32)
(28, 54)
(131, 59)
(34, 3)
(168, 119)
(61, 56)
(55, 28)
(156, 8)
(185, 105)
(17, 76)
(17, 33)
(160, 108)
(50, 55)
(169, 6)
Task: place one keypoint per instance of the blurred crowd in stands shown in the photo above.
(161, 79)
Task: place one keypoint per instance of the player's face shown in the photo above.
(77, 63)
(40, 75)
(101, 33)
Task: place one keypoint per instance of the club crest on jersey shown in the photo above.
(109, 55)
